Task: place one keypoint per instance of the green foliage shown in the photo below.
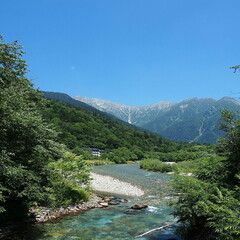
(156, 165)
(63, 192)
(185, 154)
(187, 167)
(99, 162)
(211, 212)
(122, 155)
(210, 202)
(230, 145)
(72, 167)
(69, 180)
(27, 143)
(211, 169)
(80, 128)
(237, 67)
(24, 135)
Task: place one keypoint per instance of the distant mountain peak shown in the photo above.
(198, 99)
(98, 101)
(164, 103)
(128, 113)
(191, 120)
(229, 99)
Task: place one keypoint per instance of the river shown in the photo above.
(115, 222)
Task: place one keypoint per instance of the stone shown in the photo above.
(107, 199)
(104, 204)
(130, 211)
(139, 207)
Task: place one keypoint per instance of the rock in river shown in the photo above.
(138, 207)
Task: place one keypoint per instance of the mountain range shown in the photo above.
(191, 120)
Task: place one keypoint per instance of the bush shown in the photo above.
(156, 165)
(209, 212)
(98, 162)
(66, 193)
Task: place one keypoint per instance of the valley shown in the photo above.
(50, 144)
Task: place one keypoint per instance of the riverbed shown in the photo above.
(117, 221)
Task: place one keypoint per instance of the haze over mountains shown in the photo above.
(192, 120)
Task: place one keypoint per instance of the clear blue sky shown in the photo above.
(135, 52)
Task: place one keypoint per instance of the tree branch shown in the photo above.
(157, 229)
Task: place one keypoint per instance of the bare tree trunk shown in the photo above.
(157, 229)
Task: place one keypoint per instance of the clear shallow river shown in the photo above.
(114, 222)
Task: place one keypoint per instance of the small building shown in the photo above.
(95, 151)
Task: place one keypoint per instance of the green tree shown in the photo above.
(209, 204)
(26, 141)
(207, 211)
(237, 67)
(230, 145)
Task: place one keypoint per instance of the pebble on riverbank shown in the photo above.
(41, 214)
(109, 184)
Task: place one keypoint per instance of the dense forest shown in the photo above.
(80, 129)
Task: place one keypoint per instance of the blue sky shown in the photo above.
(135, 52)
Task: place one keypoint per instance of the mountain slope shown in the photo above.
(64, 98)
(80, 127)
(137, 115)
(192, 120)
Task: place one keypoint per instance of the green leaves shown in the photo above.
(156, 165)
(72, 167)
(70, 178)
(81, 128)
(210, 202)
(208, 208)
(27, 143)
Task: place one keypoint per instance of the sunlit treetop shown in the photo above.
(237, 67)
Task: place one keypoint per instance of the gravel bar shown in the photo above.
(109, 184)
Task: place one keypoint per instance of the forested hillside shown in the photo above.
(80, 128)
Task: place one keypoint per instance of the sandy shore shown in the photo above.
(111, 185)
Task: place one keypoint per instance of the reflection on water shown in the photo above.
(115, 222)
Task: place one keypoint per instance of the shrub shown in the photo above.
(156, 165)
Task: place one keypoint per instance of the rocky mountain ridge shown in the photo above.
(191, 120)
(127, 113)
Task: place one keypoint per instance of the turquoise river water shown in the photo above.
(114, 222)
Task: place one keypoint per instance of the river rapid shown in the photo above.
(117, 221)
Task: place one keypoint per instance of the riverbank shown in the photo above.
(42, 214)
(112, 185)
(100, 183)
(107, 222)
